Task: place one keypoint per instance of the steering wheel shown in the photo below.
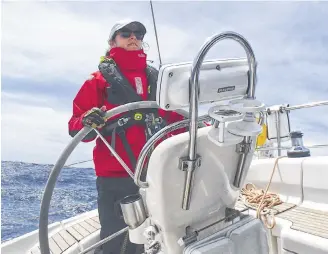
(47, 195)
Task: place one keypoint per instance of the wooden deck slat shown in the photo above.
(63, 245)
(311, 215)
(309, 210)
(96, 219)
(93, 223)
(36, 250)
(74, 233)
(306, 220)
(303, 219)
(310, 231)
(87, 226)
(81, 230)
(54, 247)
(305, 223)
(69, 239)
(282, 207)
(276, 209)
(310, 228)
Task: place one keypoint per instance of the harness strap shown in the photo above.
(121, 134)
(118, 126)
(152, 77)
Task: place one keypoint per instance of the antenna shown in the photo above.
(159, 54)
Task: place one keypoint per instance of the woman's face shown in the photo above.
(127, 39)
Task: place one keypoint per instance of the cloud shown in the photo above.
(49, 41)
(50, 48)
(35, 133)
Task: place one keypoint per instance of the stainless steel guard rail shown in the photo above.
(193, 114)
(147, 148)
(286, 109)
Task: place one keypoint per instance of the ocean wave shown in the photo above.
(22, 186)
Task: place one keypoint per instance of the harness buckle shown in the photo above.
(123, 121)
(138, 116)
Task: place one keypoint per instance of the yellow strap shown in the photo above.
(102, 58)
(262, 137)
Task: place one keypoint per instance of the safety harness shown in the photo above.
(121, 92)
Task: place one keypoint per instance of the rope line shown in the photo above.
(261, 200)
(75, 163)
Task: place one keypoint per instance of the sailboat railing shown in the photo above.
(281, 109)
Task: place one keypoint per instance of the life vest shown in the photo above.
(121, 92)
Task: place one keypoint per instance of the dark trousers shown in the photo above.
(110, 192)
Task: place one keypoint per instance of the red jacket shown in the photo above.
(93, 94)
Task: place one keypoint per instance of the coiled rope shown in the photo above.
(261, 201)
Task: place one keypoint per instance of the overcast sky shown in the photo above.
(50, 48)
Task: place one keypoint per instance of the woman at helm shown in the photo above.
(113, 183)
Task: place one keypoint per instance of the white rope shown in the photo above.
(262, 201)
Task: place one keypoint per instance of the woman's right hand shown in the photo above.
(95, 117)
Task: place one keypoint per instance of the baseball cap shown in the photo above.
(129, 24)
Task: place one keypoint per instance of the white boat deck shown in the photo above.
(66, 238)
(306, 220)
(302, 220)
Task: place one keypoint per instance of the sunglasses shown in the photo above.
(128, 33)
